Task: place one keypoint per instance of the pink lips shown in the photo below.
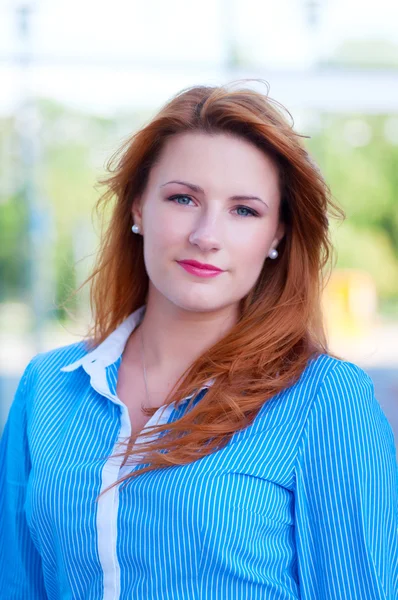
(200, 269)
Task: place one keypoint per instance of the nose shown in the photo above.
(206, 234)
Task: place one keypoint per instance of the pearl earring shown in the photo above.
(273, 253)
(135, 228)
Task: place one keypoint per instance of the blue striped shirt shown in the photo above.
(303, 503)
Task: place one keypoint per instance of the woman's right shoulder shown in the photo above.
(43, 374)
(50, 362)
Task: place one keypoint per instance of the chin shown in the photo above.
(194, 302)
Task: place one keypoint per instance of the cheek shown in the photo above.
(249, 255)
(163, 242)
(164, 228)
(250, 248)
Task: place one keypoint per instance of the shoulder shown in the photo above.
(50, 362)
(340, 379)
(325, 372)
(324, 383)
(338, 376)
(324, 365)
(331, 390)
(322, 374)
(43, 372)
(344, 404)
(346, 442)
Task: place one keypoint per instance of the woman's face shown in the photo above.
(193, 210)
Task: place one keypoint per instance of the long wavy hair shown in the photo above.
(280, 325)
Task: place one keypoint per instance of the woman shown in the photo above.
(202, 442)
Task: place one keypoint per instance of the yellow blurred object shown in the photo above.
(350, 303)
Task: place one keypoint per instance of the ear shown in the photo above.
(279, 234)
(136, 211)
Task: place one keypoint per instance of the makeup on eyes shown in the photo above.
(250, 211)
(199, 190)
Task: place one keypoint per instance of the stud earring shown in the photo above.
(135, 228)
(273, 253)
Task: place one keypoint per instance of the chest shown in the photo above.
(130, 389)
(194, 520)
(216, 515)
(135, 404)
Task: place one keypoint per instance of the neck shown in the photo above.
(175, 337)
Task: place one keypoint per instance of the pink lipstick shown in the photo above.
(200, 269)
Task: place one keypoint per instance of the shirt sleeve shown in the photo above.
(346, 494)
(21, 574)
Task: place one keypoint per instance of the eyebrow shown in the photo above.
(197, 188)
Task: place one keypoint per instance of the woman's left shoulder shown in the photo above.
(335, 376)
(329, 384)
(326, 385)
(345, 394)
(337, 371)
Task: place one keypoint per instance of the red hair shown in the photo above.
(280, 326)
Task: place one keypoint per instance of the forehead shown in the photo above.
(209, 157)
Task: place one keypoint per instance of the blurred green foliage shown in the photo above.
(357, 154)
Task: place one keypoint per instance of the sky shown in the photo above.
(110, 56)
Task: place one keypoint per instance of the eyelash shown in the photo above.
(252, 213)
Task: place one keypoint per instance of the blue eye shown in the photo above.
(249, 211)
(178, 197)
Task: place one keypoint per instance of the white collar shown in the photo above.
(112, 347)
